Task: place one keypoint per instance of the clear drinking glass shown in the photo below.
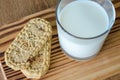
(78, 47)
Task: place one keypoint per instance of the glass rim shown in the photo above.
(107, 30)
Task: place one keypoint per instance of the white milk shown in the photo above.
(83, 19)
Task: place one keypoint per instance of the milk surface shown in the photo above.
(84, 19)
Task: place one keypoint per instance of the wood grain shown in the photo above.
(2, 73)
(12, 10)
(105, 66)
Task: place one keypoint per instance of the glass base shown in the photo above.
(78, 58)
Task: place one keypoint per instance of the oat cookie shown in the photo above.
(40, 63)
(32, 38)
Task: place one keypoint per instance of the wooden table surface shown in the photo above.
(13, 10)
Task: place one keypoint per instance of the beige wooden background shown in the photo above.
(12, 10)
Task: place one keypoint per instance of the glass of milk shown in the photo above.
(83, 26)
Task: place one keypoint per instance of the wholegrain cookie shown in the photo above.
(32, 38)
(40, 63)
